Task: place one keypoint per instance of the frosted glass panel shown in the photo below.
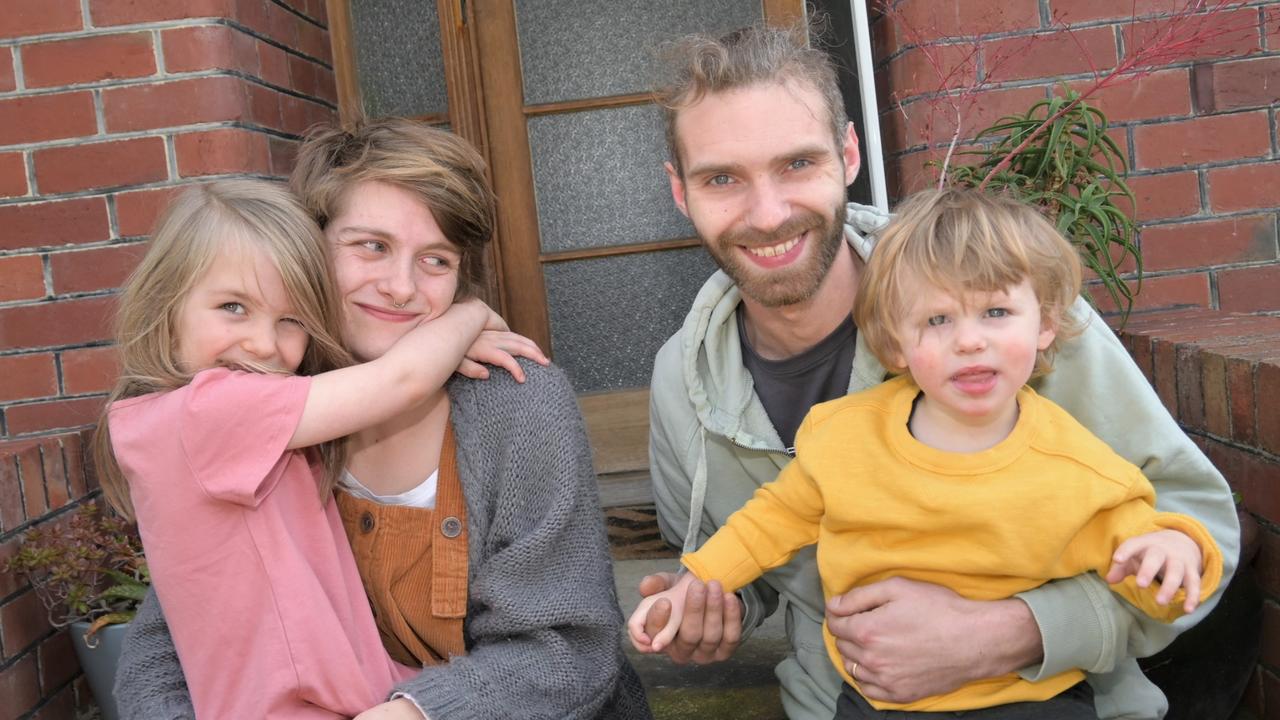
(574, 50)
(610, 315)
(398, 57)
(599, 181)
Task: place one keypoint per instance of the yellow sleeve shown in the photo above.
(1134, 516)
(782, 517)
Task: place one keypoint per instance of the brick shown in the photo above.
(1167, 291)
(280, 24)
(1213, 242)
(312, 40)
(925, 126)
(1164, 196)
(264, 107)
(21, 278)
(88, 59)
(23, 18)
(1227, 33)
(12, 511)
(54, 414)
(89, 370)
(209, 47)
(55, 223)
(55, 474)
(273, 65)
(974, 17)
(1200, 140)
(13, 175)
(1050, 54)
(73, 451)
(8, 81)
(1254, 477)
(1078, 11)
(284, 153)
(298, 115)
(172, 104)
(31, 472)
(63, 322)
(1255, 289)
(304, 76)
(10, 582)
(23, 621)
(137, 211)
(1190, 390)
(101, 165)
(61, 706)
(1213, 390)
(37, 118)
(1268, 384)
(20, 688)
(1242, 392)
(128, 12)
(1244, 187)
(218, 152)
(920, 71)
(1227, 86)
(95, 269)
(1164, 374)
(26, 377)
(58, 662)
(1162, 94)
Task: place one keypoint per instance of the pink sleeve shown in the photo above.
(235, 427)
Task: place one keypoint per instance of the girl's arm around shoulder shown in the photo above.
(344, 401)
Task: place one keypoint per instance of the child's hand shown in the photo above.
(1168, 554)
(640, 638)
(501, 348)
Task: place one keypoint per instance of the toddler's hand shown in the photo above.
(1168, 554)
(640, 638)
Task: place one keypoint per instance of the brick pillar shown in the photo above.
(106, 108)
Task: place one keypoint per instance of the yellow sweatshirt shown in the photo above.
(1049, 501)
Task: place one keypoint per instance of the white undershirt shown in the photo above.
(421, 496)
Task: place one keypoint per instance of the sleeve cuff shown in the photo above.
(1075, 620)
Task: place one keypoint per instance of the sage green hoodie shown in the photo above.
(712, 444)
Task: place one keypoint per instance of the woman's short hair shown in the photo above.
(440, 168)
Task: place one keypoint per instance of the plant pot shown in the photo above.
(99, 662)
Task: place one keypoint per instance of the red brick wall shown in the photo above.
(1199, 134)
(107, 107)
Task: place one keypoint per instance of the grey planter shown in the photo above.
(99, 662)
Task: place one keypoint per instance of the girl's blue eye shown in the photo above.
(997, 312)
(233, 307)
(936, 320)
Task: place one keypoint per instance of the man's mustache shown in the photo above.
(800, 222)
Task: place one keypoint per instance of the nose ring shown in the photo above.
(400, 306)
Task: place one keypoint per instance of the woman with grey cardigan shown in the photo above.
(407, 212)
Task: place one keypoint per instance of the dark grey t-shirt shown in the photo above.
(788, 388)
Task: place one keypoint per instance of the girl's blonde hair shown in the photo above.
(959, 241)
(201, 223)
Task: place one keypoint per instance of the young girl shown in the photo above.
(231, 371)
(958, 473)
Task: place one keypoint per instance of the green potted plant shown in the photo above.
(91, 575)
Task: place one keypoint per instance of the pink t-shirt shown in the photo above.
(255, 575)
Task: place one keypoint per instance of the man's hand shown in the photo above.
(712, 624)
(903, 640)
(398, 709)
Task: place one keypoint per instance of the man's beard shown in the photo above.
(796, 283)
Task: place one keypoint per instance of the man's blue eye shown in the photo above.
(720, 180)
(937, 320)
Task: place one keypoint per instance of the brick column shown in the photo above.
(107, 107)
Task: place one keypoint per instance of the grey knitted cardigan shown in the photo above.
(543, 628)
